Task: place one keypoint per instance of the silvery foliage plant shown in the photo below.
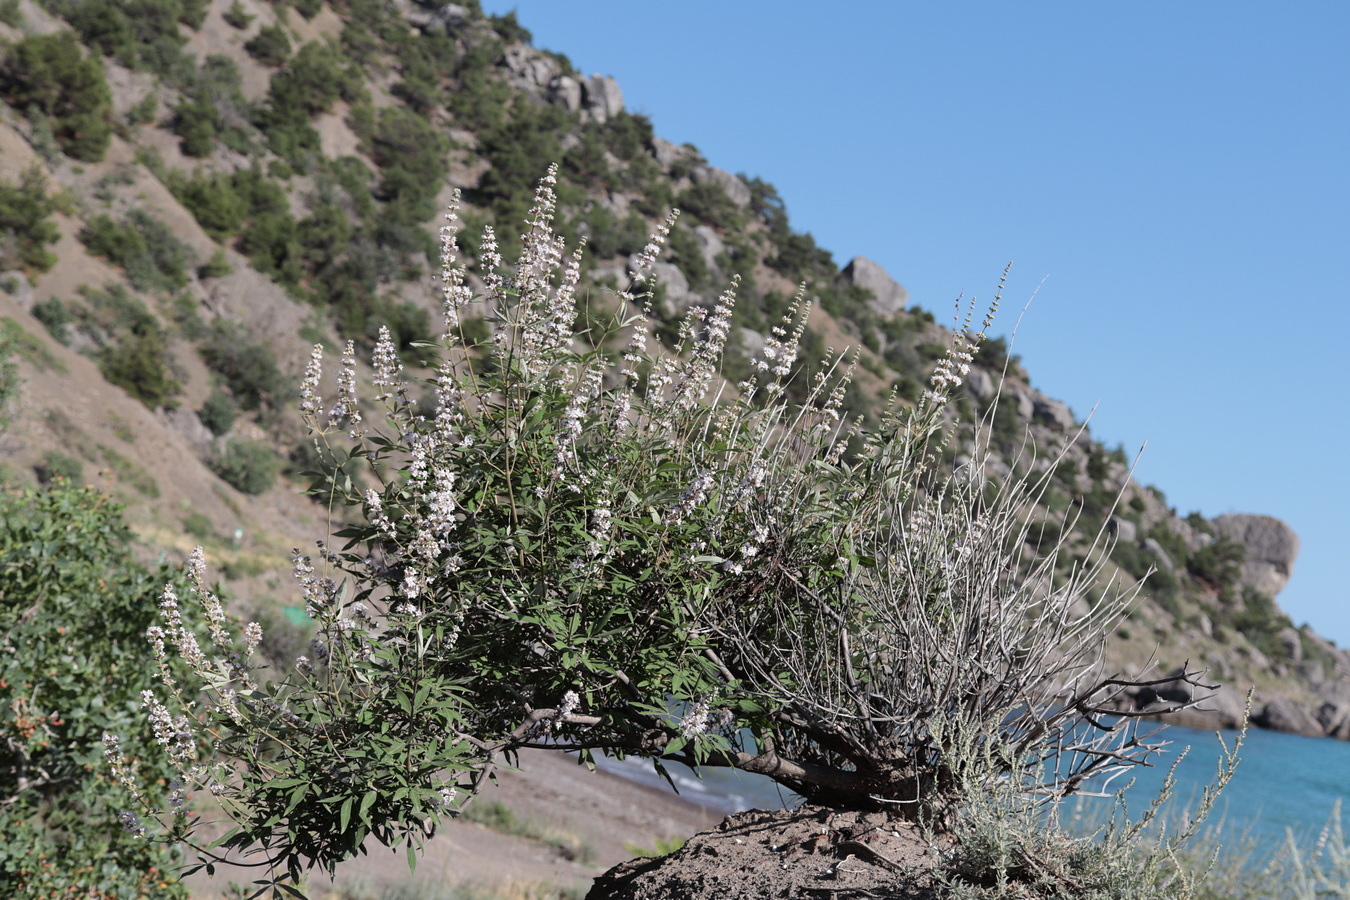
(582, 539)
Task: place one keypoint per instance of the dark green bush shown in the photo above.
(26, 227)
(250, 467)
(608, 237)
(324, 236)
(112, 311)
(219, 412)
(627, 135)
(519, 147)
(154, 258)
(480, 102)
(248, 368)
(50, 72)
(144, 112)
(323, 464)
(510, 30)
(1200, 523)
(687, 253)
(139, 364)
(1171, 542)
(212, 200)
(315, 78)
(218, 266)
(236, 17)
(197, 122)
(9, 378)
(709, 204)
(269, 46)
(1260, 620)
(411, 154)
(272, 244)
(797, 255)
(1218, 564)
(142, 34)
(184, 312)
(54, 317)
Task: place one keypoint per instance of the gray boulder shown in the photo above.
(189, 426)
(1284, 714)
(1292, 642)
(889, 297)
(1335, 720)
(752, 341)
(530, 71)
(1124, 531)
(980, 384)
(1053, 413)
(1156, 550)
(448, 19)
(565, 91)
(601, 97)
(1272, 547)
(1224, 708)
(709, 244)
(737, 191)
(668, 275)
(666, 153)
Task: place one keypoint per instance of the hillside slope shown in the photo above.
(194, 192)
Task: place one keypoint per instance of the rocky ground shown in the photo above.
(808, 852)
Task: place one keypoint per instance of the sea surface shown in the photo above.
(1283, 784)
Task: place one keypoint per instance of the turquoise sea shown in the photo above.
(1283, 782)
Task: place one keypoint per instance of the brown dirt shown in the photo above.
(598, 812)
(808, 852)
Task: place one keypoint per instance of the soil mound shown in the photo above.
(806, 852)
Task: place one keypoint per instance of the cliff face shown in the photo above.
(230, 182)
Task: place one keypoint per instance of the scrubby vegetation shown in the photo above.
(74, 609)
(26, 227)
(540, 497)
(648, 568)
(50, 76)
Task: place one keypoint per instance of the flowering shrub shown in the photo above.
(74, 606)
(593, 542)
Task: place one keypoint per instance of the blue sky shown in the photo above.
(1178, 174)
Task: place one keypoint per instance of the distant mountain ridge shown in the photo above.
(196, 191)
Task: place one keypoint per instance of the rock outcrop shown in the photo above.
(889, 297)
(1271, 546)
(601, 97)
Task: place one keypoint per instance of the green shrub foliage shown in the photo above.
(269, 46)
(51, 74)
(249, 467)
(248, 368)
(138, 363)
(26, 227)
(588, 545)
(74, 609)
(153, 256)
